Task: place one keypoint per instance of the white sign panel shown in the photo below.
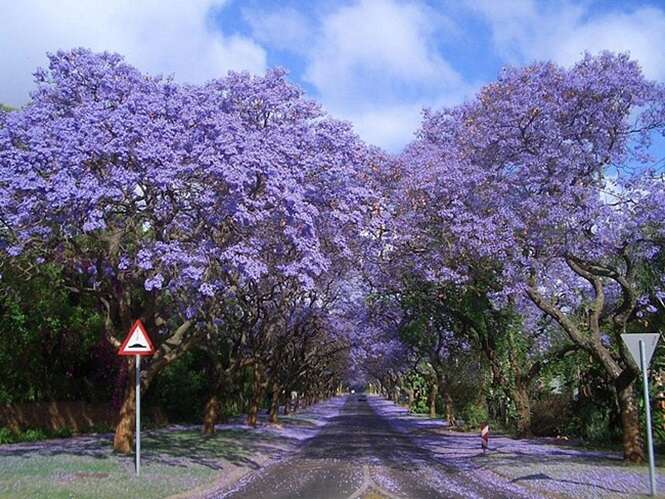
(632, 341)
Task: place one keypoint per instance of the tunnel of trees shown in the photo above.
(484, 273)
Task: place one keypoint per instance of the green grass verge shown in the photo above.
(172, 462)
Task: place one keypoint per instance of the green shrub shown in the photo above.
(61, 433)
(551, 416)
(420, 406)
(474, 414)
(7, 436)
(101, 428)
(32, 435)
(182, 388)
(594, 424)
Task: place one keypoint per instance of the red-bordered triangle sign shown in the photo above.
(137, 342)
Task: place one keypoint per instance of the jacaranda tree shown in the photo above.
(532, 176)
(159, 198)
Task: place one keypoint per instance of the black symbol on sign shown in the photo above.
(137, 345)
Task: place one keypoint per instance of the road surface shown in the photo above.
(361, 454)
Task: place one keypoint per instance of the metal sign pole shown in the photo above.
(138, 415)
(647, 409)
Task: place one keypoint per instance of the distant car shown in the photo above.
(362, 398)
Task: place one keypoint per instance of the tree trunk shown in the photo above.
(434, 391)
(443, 386)
(257, 393)
(253, 410)
(520, 396)
(274, 403)
(211, 415)
(633, 448)
(123, 440)
(409, 392)
(450, 409)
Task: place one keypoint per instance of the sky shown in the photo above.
(375, 63)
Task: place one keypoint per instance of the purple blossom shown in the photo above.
(14, 250)
(206, 289)
(144, 260)
(154, 283)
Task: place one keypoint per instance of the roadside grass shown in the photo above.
(172, 461)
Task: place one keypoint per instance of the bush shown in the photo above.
(101, 428)
(6, 436)
(474, 414)
(594, 424)
(32, 435)
(420, 406)
(182, 388)
(550, 416)
(61, 433)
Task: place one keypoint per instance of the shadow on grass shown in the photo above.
(180, 448)
(235, 446)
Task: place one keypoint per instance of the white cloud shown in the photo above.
(524, 31)
(372, 62)
(158, 36)
(381, 38)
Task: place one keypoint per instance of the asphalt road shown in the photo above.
(359, 454)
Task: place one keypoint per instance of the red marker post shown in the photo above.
(137, 343)
(485, 436)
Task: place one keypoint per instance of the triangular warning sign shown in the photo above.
(632, 341)
(137, 342)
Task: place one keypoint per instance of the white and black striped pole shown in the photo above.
(485, 436)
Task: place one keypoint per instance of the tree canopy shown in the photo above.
(262, 241)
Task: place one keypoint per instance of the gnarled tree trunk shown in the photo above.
(623, 377)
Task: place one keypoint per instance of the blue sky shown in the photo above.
(376, 63)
